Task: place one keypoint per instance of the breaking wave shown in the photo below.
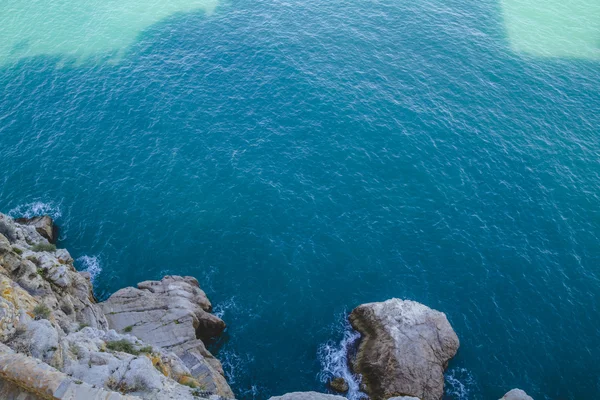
(234, 364)
(459, 384)
(36, 208)
(90, 264)
(334, 362)
(220, 309)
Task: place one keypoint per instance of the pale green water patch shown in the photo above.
(82, 29)
(554, 28)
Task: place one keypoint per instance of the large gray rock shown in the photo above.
(43, 341)
(48, 315)
(166, 313)
(516, 394)
(307, 396)
(404, 349)
(26, 378)
(173, 313)
(44, 225)
(124, 363)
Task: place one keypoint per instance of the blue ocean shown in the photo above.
(303, 157)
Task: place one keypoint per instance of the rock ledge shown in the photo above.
(404, 349)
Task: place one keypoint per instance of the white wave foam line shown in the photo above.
(35, 209)
(91, 264)
(459, 383)
(220, 309)
(232, 363)
(334, 361)
(254, 391)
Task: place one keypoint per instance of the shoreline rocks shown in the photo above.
(44, 225)
(174, 314)
(55, 332)
(147, 342)
(516, 394)
(404, 349)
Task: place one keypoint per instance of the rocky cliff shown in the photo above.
(147, 342)
(59, 343)
(404, 349)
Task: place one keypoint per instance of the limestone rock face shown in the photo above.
(516, 394)
(307, 396)
(173, 313)
(124, 363)
(58, 336)
(404, 349)
(26, 378)
(44, 225)
(30, 278)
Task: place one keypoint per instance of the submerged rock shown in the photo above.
(307, 396)
(339, 385)
(44, 225)
(516, 394)
(404, 349)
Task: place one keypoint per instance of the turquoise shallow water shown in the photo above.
(300, 158)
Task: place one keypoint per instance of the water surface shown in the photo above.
(301, 158)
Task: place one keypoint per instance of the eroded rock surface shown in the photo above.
(44, 225)
(404, 349)
(174, 314)
(516, 394)
(56, 334)
(307, 396)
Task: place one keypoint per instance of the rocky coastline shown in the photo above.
(148, 342)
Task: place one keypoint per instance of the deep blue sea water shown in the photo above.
(301, 158)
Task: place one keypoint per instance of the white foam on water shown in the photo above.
(254, 391)
(82, 29)
(35, 209)
(459, 383)
(220, 309)
(91, 264)
(207, 278)
(334, 362)
(234, 364)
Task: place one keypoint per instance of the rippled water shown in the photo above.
(300, 158)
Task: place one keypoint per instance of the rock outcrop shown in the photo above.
(44, 225)
(404, 349)
(59, 343)
(307, 396)
(516, 394)
(148, 342)
(26, 378)
(174, 314)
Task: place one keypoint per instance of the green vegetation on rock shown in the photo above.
(44, 247)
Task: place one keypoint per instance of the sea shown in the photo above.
(301, 157)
